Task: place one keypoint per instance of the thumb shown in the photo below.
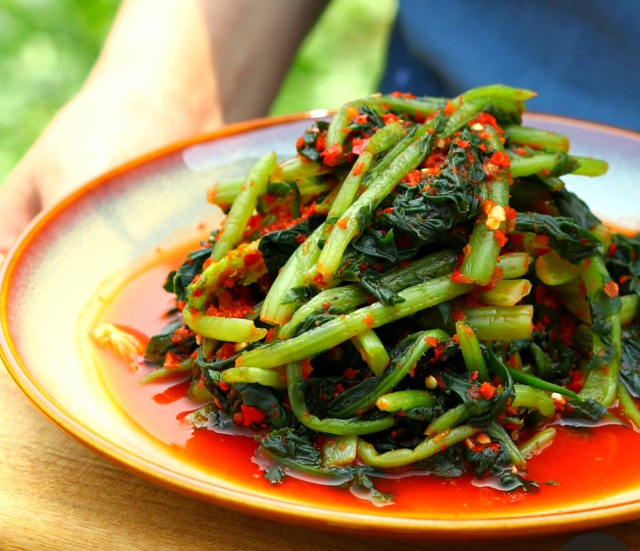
(19, 204)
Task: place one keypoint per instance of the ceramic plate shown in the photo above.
(60, 261)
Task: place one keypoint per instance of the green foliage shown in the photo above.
(178, 281)
(278, 246)
(630, 363)
(623, 259)
(568, 239)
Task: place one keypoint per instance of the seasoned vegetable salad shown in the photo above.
(415, 290)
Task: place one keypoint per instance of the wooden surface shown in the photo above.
(55, 494)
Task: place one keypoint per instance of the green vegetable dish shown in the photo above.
(415, 290)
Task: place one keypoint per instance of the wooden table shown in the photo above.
(55, 494)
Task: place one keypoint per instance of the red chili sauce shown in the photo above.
(580, 466)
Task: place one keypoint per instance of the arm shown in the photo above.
(155, 83)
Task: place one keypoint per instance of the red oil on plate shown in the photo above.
(581, 466)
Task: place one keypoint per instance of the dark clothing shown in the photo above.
(582, 57)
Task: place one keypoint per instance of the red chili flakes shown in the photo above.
(431, 341)
(357, 170)
(307, 368)
(300, 143)
(181, 335)
(368, 320)
(252, 415)
(611, 288)
(358, 145)
(457, 315)
(319, 280)
(350, 373)
(500, 159)
(332, 156)
(449, 109)
(352, 112)
(511, 215)
(342, 223)
(487, 391)
(252, 257)
(576, 383)
(405, 95)
(389, 118)
(462, 143)
(500, 237)
(235, 304)
(484, 119)
(361, 119)
(171, 360)
(458, 277)
(226, 351)
(403, 241)
(271, 334)
(612, 249)
(496, 276)
(413, 178)
(224, 386)
(487, 205)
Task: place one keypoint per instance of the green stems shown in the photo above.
(506, 293)
(348, 225)
(628, 405)
(340, 329)
(552, 269)
(500, 323)
(344, 427)
(457, 415)
(536, 138)
(514, 265)
(266, 377)
(496, 431)
(428, 447)
(535, 382)
(223, 329)
(372, 351)
(163, 373)
(382, 140)
(236, 222)
(532, 445)
(604, 366)
(242, 263)
(484, 246)
(470, 348)
(629, 308)
(347, 298)
(554, 163)
(405, 400)
(533, 398)
(293, 274)
(348, 407)
(224, 194)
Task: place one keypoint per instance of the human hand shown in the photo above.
(95, 132)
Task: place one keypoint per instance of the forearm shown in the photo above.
(158, 55)
(253, 44)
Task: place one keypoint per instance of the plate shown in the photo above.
(53, 271)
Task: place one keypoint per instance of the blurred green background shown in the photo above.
(47, 48)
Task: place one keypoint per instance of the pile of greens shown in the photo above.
(416, 289)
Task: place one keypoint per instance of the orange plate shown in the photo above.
(63, 258)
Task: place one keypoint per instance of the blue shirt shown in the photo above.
(582, 57)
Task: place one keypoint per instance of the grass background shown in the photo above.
(47, 48)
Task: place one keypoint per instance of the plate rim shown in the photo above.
(244, 500)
